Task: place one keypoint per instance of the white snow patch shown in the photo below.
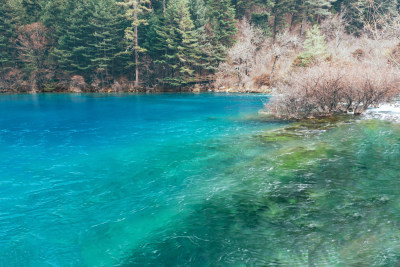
(389, 112)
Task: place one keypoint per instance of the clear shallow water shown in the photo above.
(199, 180)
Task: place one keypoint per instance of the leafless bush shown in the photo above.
(11, 80)
(77, 84)
(358, 53)
(241, 57)
(254, 58)
(394, 56)
(334, 28)
(32, 44)
(327, 89)
(380, 24)
(262, 80)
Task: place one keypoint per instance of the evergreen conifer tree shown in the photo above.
(32, 10)
(310, 10)
(74, 51)
(198, 10)
(106, 29)
(7, 33)
(315, 47)
(134, 10)
(180, 52)
(222, 32)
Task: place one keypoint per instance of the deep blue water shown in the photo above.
(84, 178)
(192, 180)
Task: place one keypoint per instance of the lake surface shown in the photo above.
(192, 180)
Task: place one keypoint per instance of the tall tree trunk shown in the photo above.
(273, 68)
(291, 22)
(136, 47)
(164, 7)
(302, 26)
(33, 82)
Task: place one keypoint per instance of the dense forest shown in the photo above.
(94, 45)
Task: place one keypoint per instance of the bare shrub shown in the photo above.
(116, 87)
(326, 89)
(380, 24)
(32, 45)
(77, 84)
(241, 57)
(334, 29)
(394, 56)
(358, 54)
(97, 84)
(226, 76)
(262, 80)
(255, 58)
(282, 50)
(11, 81)
(368, 86)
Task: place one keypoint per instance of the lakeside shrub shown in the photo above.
(326, 89)
(358, 54)
(394, 56)
(263, 79)
(77, 84)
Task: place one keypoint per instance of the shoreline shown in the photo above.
(147, 91)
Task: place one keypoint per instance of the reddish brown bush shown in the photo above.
(32, 45)
(262, 80)
(78, 84)
(327, 89)
(11, 81)
(358, 54)
(394, 56)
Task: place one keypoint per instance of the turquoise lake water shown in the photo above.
(192, 180)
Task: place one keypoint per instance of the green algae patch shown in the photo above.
(299, 157)
(304, 129)
(279, 136)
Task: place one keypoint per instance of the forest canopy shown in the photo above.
(50, 45)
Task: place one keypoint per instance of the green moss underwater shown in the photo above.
(309, 194)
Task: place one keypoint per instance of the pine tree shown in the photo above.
(310, 11)
(221, 17)
(243, 7)
(7, 33)
(353, 14)
(134, 10)
(74, 52)
(180, 50)
(54, 16)
(360, 13)
(32, 10)
(315, 48)
(280, 10)
(105, 25)
(319, 9)
(153, 43)
(198, 9)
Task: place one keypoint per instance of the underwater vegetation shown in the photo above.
(326, 194)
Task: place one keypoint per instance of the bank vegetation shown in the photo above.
(316, 57)
(324, 72)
